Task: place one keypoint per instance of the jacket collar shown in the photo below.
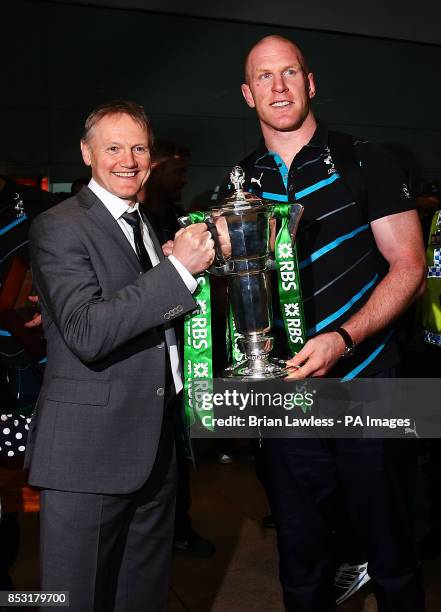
(319, 139)
(87, 199)
(320, 136)
(101, 215)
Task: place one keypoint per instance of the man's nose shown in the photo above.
(128, 159)
(279, 84)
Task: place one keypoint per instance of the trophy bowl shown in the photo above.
(243, 227)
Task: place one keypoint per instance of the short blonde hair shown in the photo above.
(117, 107)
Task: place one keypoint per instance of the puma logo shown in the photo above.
(258, 181)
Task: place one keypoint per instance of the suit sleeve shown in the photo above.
(94, 327)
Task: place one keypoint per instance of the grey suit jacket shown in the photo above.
(100, 410)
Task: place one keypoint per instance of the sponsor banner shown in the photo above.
(198, 367)
(290, 294)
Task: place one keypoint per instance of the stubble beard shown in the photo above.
(291, 127)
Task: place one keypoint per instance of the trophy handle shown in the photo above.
(214, 234)
(186, 221)
(224, 265)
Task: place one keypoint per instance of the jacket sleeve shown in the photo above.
(91, 326)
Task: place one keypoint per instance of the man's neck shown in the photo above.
(98, 190)
(288, 144)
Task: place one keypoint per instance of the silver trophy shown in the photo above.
(243, 228)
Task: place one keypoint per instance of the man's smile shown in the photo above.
(280, 103)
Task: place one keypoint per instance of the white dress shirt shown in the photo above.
(117, 207)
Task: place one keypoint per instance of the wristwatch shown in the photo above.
(350, 344)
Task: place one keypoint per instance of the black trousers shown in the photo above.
(112, 552)
(311, 483)
(9, 544)
(183, 524)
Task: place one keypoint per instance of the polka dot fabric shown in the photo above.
(13, 434)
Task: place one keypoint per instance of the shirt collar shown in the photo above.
(261, 150)
(115, 205)
(319, 139)
(320, 136)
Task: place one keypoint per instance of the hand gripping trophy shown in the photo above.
(244, 231)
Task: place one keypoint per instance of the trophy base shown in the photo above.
(257, 369)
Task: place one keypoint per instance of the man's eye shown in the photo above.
(140, 150)
(290, 72)
(265, 75)
(113, 149)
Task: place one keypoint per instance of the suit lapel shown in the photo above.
(103, 218)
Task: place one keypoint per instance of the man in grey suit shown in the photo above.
(101, 447)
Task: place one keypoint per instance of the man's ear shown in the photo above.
(85, 152)
(311, 85)
(246, 92)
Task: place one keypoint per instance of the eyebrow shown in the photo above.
(263, 70)
(119, 144)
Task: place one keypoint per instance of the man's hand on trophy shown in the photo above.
(317, 357)
(36, 319)
(223, 236)
(194, 248)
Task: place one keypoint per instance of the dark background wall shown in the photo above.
(61, 59)
(398, 19)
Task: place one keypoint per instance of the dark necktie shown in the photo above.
(134, 220)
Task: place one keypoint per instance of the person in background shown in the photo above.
(20, 374)
(427, 202)
(430, 360)
(162, 193)
(78, 184)
(160, 199)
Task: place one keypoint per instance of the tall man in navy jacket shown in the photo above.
(352, 295)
